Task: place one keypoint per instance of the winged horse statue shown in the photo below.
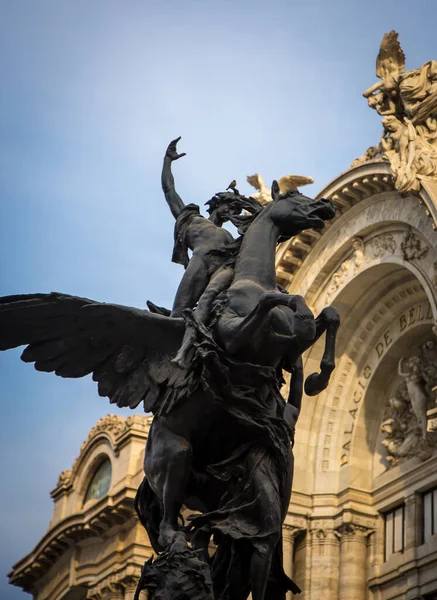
(221, 439)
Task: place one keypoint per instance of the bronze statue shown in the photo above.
(222, 434)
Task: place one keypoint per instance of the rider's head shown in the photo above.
(223, 206)
(227, 206)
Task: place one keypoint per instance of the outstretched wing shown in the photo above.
(391, 58)
(292, 182)
(127, 350)
(256, 181)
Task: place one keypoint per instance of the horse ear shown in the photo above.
(275, 190)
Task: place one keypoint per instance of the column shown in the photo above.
(412, 522)
(129, 590)
(288, 535)
(353, 562)
(106, 591)
(114, 591)
(324, 566)
(130, 586)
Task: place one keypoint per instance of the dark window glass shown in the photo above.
(394, 531)
(429, 514)
(101, 481)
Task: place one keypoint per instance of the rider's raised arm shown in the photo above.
(174, 201)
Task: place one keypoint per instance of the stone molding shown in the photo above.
(69, 531)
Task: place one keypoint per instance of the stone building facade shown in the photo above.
(95, 546)
(362, 522)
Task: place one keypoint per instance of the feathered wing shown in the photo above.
(256, 181)
(127, 350)
(391, 57)
(292, 182)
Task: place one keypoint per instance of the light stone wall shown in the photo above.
(386, 297)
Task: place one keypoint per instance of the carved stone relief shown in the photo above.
(64, 478)
(407, 245)
(412, 247)
(348, 267)
(407, 103)
(405, 421)
(382, 244)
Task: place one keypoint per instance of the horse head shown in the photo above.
(293, 212)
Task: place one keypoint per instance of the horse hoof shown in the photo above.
(314, 384)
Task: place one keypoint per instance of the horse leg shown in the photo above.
(294, 402)
(167, 465)
(240, 332)
(329, 321)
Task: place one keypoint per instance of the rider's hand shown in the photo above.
(171, 152)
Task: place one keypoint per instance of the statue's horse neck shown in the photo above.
(256, 260)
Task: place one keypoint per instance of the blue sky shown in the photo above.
(91, 94)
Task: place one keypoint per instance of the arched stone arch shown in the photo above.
(367, 333)
(378, 232)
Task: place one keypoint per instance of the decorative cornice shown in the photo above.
(125, 580)
(106, 514)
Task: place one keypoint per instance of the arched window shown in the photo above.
(100, 482)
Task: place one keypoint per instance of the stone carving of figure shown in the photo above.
(407, 101)
(342, 273)
(358, 256)
(399, 146)
(338, 279)
(418, 91)
(383, 95)
(412, 248)
(400, 427)
(405, 422)
(410, 369)
(383, 244)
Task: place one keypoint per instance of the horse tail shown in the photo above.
(149, 511)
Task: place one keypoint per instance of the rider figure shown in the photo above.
(210, 244)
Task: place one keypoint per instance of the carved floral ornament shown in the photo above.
(407, 103)
(406, 245)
